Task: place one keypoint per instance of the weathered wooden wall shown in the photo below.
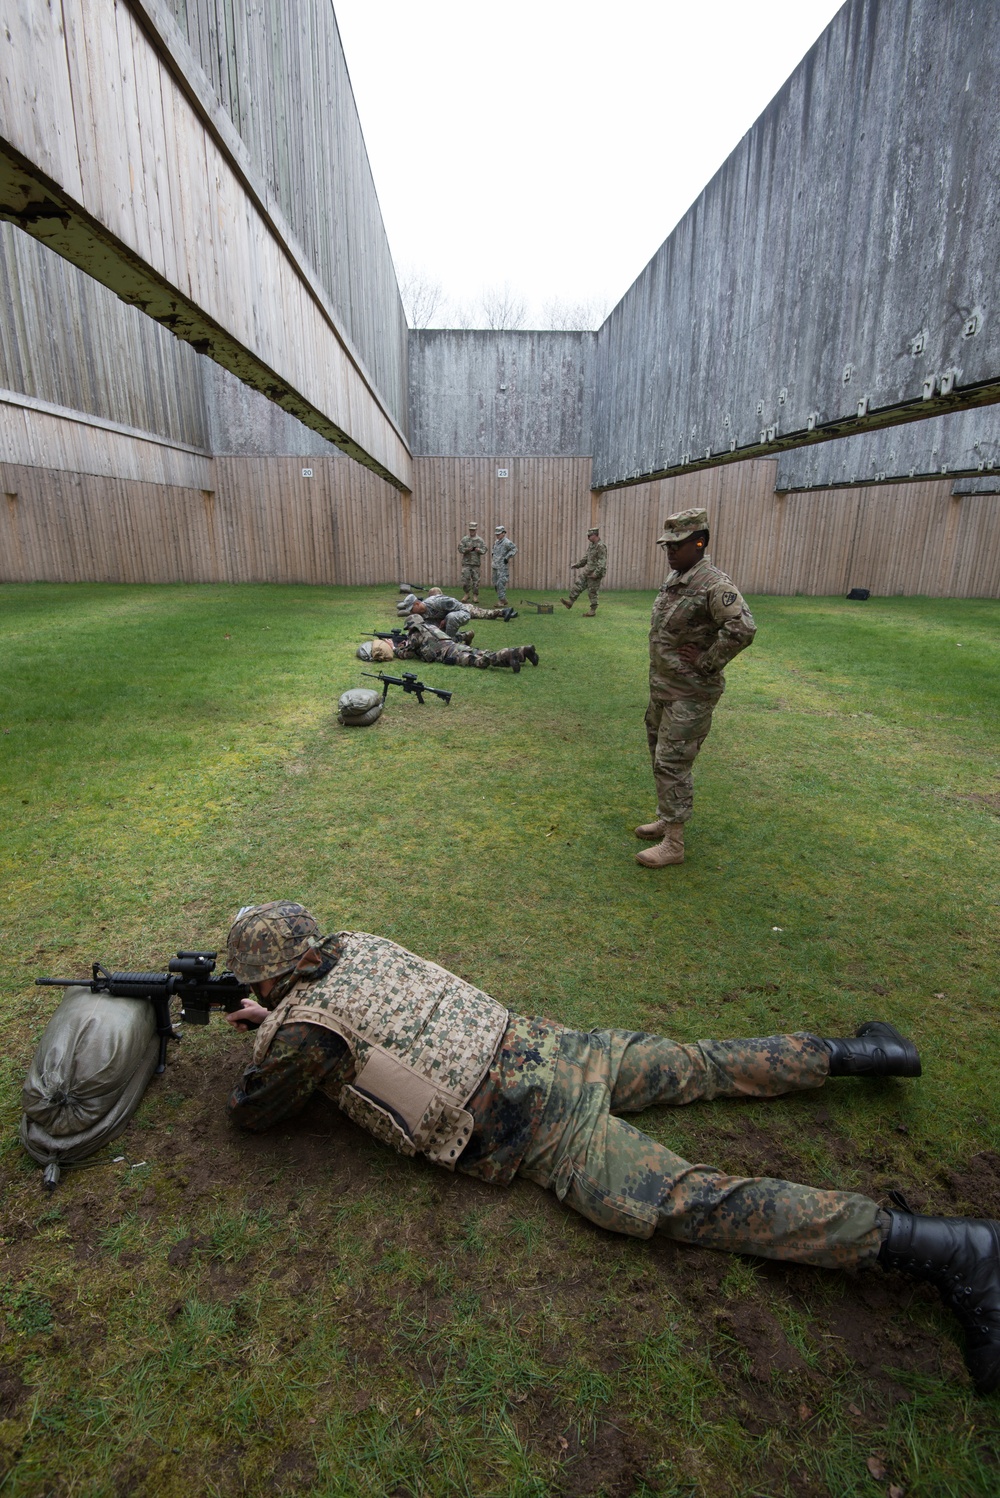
(476, 393)
(117, 153)
(839, 266)
(280, 74)
(894, 539)
(963, 442)
(256, 519)
(67, 340)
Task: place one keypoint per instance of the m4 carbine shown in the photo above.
(409, 683)
(191, 975)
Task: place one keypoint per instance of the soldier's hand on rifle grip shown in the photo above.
(249, 1015)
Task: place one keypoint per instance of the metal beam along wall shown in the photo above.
(838, 273)
(963, 442)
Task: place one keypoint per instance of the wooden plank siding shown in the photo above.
(263, 522)
(192, 234)
(893, 539)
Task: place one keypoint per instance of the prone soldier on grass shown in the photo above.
(429, 1064)
(592, 566)
(472, 549)
(425, 642)
(450, 613)
(700, 622)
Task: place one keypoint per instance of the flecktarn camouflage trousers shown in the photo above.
(585, 581)
(621, 1179)
(675, 730)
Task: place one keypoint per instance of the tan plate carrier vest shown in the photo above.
(422, 1041)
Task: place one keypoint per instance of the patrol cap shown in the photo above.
(473, 525)
(678, 527)
(501, 530)
(595, 530)
(405, 605)
(266, 941)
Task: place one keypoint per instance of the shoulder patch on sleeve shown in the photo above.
(728, 599)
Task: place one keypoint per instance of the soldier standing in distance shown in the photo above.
(592, 568)
(503, 550)
(699, 624)
(472, 548)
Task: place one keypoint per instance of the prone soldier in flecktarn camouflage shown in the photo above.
(592, 567)
(431, 1065)
(472, 548)
(700, 622)
(425, 642)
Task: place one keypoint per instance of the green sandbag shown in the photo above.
(86, 1077)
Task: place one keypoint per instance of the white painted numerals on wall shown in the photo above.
(502, 473)
(307, 473)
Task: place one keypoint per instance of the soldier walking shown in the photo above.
(472, 548)
(503, 550)
(592, 568)
(699, 624)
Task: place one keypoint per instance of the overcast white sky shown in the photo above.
(553, 144)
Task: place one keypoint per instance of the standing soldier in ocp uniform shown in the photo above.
(699, 624)
(592, 568)
(473, 548)
(503, 550)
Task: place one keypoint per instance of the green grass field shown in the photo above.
(306, 1313)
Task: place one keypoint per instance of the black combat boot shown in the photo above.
(961, 1256)
(509, 614)
(529, 653)
(877, 1050)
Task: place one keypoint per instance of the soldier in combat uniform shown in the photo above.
(430, 1065)
(699, 624)
(425, 642)
(503, 550)
(592, 568)
(472, 548)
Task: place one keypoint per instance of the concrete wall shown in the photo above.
(961, 442)
(480, 394)
(842, 260)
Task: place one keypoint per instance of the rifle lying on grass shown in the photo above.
(190, 975)
(409, 683)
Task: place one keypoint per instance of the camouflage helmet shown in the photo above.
(266, 941)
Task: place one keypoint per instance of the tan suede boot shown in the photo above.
(653, 831)
(670, 850)
(590, 614)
